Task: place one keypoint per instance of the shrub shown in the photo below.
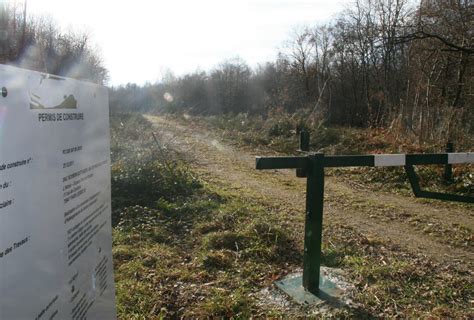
(142, 173)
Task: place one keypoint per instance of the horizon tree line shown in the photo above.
(381, 63)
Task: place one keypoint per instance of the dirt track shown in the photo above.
(440, 230)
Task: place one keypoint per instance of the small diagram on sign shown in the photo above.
(68, 102)
(40, 98)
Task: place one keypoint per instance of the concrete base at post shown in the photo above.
(329, 293)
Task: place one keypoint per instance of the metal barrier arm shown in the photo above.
(408, 161)
(381, 160)
(377, 160)
(281, 162)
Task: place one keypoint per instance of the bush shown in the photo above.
(142, 173)
(143, 181)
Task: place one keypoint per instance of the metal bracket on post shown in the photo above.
(448, 169)
(304, 147)
(419, 193)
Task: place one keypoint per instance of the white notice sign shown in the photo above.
(55, 215)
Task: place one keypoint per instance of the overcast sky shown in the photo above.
(140, 40)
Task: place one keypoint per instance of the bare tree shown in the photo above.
(39, 44)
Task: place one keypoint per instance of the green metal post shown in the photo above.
(304, 140)
(313, 223)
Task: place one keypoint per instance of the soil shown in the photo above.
(440, 230)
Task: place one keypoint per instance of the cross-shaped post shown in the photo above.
(313, 166)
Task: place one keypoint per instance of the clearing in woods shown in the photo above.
(439, 231)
